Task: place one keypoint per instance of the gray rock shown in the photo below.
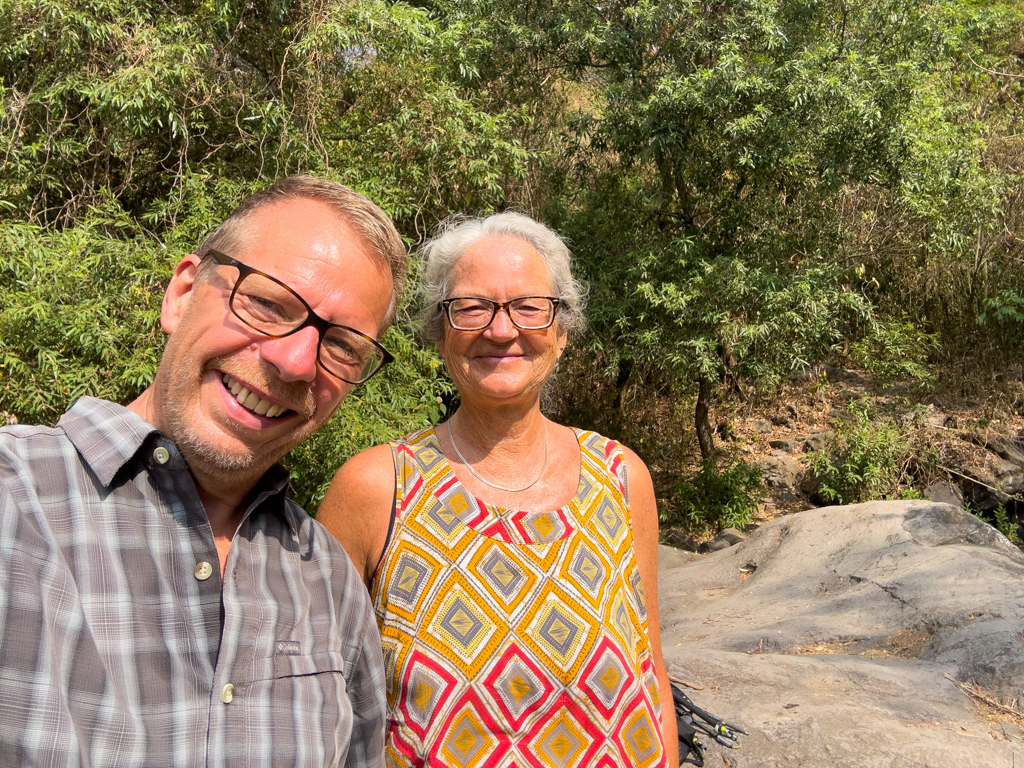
(855, 614)
(761, 425)
(780, 471)
(1005, 448)
(680, 540)
(817, 439)
(727, 538)
(788, 445)
(936, 419)
(944, 493)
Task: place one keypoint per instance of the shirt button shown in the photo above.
(228, 694)
(161, 455)
(203, 571)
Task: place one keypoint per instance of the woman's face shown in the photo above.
(500, 363)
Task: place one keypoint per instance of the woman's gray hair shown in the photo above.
(456, 235)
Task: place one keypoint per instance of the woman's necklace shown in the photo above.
(483, 480)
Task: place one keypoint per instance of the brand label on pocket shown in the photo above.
(287, 648)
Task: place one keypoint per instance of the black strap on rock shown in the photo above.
(691, 720)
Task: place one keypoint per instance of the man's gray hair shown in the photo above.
(370, 223)
(456, 235)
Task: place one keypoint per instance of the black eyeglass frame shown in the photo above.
(312, 318)
(496, 306)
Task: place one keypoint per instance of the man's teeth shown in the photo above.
(251, 400)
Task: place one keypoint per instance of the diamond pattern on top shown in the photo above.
(425, 689)
(607, 677)
(565, 738)
(559, 630)
(463, 628)
(638, 739)
(501, 573)
(409, 580)
(650, 682)
(517, 686)
(638, 593)
(608, 521)
(586, 569)
(620, 620)
(470, 738)
(395, 645)
(541, 527)
(524, 645)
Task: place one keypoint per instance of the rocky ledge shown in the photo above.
(880, 634)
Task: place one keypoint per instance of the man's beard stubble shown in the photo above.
(181, 392)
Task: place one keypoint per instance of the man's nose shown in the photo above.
(294, 356)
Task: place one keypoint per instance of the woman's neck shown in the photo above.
(506, 432)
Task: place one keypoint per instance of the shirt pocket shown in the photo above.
(296, 709)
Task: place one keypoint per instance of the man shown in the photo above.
(161, 602)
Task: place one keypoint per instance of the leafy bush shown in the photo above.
(894, 350)
(717, 497)
(999, 519)
(865, 459)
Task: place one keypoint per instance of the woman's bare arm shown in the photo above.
(357, 507)
(644, 509)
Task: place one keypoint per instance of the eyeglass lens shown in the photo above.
(529, 313)
(273, 309)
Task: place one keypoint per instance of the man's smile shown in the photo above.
(252, 401)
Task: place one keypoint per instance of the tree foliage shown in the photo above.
(749, 187)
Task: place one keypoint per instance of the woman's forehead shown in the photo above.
(501, 263)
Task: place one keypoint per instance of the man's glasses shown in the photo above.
(529, 313)
(267, 305)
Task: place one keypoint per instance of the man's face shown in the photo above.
(211, 355)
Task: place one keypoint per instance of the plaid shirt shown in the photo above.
(121, 646)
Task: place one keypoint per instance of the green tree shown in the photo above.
(129, 128)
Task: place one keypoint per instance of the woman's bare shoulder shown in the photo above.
(357, 506)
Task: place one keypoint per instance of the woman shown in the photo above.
(508, 556)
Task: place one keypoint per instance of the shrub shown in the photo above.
(717, 497)
(865, 459)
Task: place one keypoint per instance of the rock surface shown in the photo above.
(829, 636)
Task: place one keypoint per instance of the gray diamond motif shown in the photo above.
(502, 574)
(424, 691)
(587, 569)
(560, 746)
(609, 518)
(465, 742)
(446, 520)
(461, 623)
(644, 742)
(560, 630)
(622, 621)
(544, 527)
(585, 487)
(409, 577)
(608, 678)
(638, 591)
(518, 687)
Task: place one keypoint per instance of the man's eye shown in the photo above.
(343, 351)
(261, 307)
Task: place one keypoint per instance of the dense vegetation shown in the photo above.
(749, 187)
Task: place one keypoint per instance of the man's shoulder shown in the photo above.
(21, 444)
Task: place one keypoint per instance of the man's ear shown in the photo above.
(179, 292)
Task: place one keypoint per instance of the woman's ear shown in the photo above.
(179, 292)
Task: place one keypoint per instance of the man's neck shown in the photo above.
(223, 493)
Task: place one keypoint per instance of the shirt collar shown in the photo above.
(105, 434)
(108, 436)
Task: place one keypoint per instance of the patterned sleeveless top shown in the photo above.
(515, 638)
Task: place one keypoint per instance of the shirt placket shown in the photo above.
(196, 563)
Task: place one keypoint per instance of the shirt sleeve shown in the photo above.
(365, 686)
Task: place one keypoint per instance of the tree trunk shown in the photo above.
(705, 435)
